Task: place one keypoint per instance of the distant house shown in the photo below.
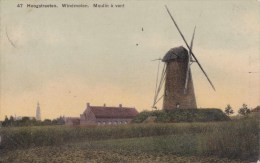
(103, 115)
(256, 109)
(72, 121)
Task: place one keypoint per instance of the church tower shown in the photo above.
(38, 112)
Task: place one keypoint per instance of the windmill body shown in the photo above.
(175, 97)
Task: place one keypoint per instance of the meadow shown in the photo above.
(230, 141)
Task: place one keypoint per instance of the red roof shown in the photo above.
(113, 112)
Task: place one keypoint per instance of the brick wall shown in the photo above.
(87, 118)
(175, 84)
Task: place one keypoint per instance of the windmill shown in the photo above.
(176, 76)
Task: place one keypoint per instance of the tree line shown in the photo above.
(244, 110)
(27, 121)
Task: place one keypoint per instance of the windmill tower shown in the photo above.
(38, 112)
(178, 91)
(176, 74)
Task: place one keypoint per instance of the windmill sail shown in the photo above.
(188, 63)
(156, 86)
(190, 49)
(159, 86)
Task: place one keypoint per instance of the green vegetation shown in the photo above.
(27, 121)
(244, 110)
(228, 110)
(231, 139)
(183, 115)
(79, 153)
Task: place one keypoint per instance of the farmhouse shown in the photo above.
(103, 115)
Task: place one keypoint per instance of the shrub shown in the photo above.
(184, 115)
(142, 116)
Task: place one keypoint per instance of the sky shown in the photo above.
(64, 58)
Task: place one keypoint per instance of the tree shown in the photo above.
(25, 121)
(229, 110)
(46, 122)
(6, 121)
(11, 120)
(244, 110)
(60, 120)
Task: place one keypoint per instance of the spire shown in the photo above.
(38, 112)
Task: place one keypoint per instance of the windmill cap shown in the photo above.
(175, 53)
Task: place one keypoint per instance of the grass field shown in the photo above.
(80, 153)
(233, 141)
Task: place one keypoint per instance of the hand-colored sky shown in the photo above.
(64, 58)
